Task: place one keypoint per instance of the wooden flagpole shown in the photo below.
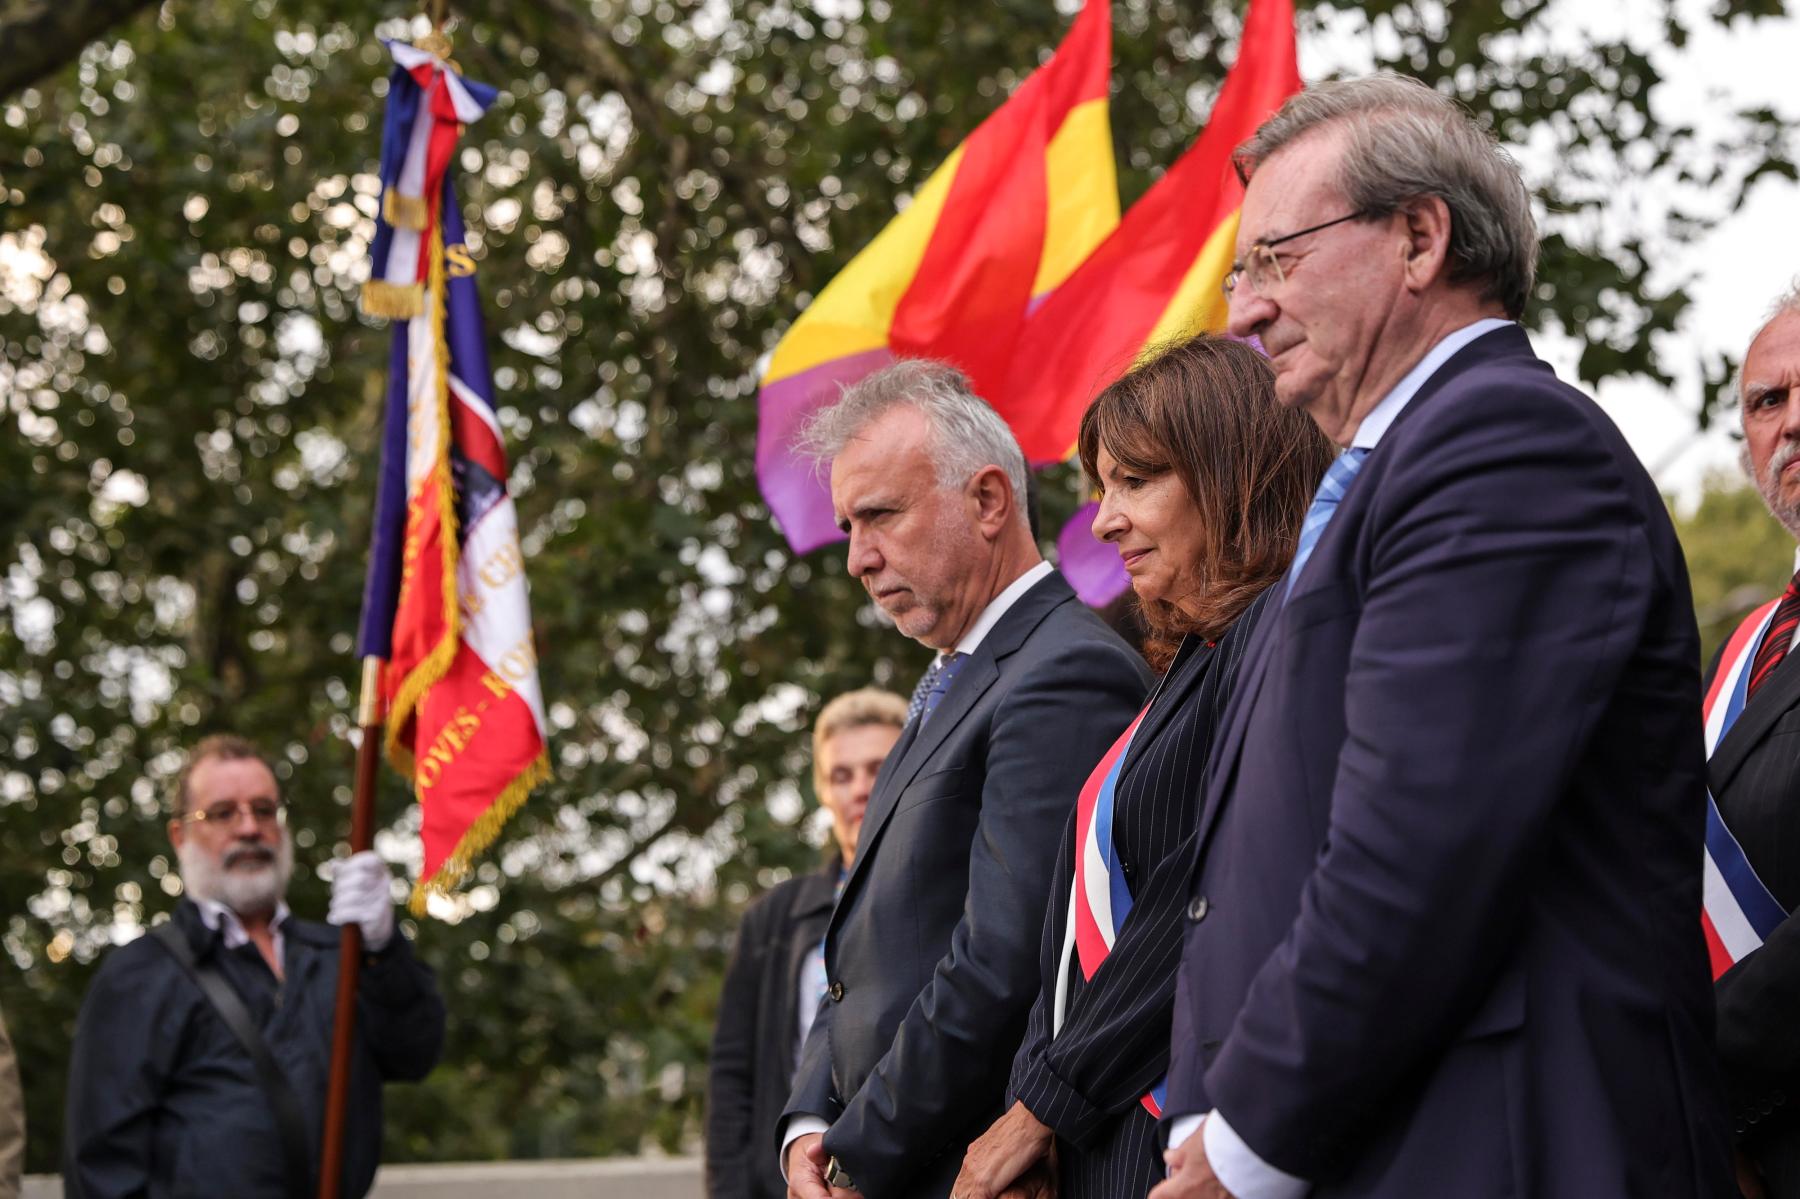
(362, 836)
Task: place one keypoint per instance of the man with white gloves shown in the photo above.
(203, 1050)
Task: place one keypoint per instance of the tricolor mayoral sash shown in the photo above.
(1099, 900)
(1738, 913)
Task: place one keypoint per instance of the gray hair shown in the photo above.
(1785, 303)
(1407, 141)
(967, 434)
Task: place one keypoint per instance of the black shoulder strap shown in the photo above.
(295, 1144)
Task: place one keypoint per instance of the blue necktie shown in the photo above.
(934, 684)
(1331, 491)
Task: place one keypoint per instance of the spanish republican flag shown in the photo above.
(1006, 218)
(1157, 277)
(445, 605)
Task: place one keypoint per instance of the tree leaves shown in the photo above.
(191, 406)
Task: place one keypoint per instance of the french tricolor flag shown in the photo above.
(1738, 914)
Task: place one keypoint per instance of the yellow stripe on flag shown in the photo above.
(1083, 193)
(856, 309)
(1199, 304)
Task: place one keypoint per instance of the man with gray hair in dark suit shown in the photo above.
(931, 952)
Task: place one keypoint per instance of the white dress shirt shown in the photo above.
(1240, 1170)
(799, 1126)
(216, 916)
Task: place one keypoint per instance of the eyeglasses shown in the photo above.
(224, 814)
(1261, 265)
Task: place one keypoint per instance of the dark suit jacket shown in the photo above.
(1755, 777)
(1444, 930)
(752, 1062)
(1087, 1081)
(932, 950)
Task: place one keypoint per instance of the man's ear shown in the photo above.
(177, 832)
(992, 494)
(1426, 223)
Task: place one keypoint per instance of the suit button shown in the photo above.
(1197, 908)
(836, 992)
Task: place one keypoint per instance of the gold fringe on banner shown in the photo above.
(403, 211)
(480, 835)
(436, 664)
(392, 301)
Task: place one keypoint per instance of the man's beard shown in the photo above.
(245, 889)
(1768, 484)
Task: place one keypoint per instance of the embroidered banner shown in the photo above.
(445, 604)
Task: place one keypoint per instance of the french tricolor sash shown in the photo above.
(1099, 900)
(1738, 913)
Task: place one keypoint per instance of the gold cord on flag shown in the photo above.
(437, 663)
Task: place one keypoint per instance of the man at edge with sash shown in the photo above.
(1753, 822)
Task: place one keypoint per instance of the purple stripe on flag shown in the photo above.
(1091, 565)
(796, 488)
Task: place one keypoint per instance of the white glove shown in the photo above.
(362, 893)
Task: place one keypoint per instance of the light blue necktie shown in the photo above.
(1331, 491)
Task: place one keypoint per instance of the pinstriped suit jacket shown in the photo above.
(1755, 776)
(1114, 1044)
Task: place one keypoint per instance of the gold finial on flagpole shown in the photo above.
(437, 41)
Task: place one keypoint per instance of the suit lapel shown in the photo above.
(1778, 696)
(1509, 342)
(1168, 702)
(918, 744)
(1223, 765)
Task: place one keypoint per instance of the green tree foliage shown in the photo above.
(1737, 555)
(190, 403)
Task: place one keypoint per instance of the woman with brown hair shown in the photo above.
(1205, 480)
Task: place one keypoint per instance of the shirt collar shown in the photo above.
(998, 606)
(217, 917)
(1369, 433)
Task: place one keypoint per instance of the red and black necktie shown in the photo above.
(1775, 642)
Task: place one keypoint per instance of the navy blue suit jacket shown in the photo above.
(1443, 935)
(932, 948)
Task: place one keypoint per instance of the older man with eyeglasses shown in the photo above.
(1443, 926)
(203, 1050)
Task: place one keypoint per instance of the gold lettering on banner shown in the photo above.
(457, 261)
(502, 566)
(518, 663)
(493, 682)
(451, 740)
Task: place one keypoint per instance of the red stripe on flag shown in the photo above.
(967, 300)
(473, 740)
(1716, 953)
(420, 623)
(1091, 329)
(475, 438)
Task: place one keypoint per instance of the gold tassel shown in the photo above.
(403, 211)
(392, 301)
(480, 835)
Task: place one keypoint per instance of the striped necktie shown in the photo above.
(1775, 642)
(1331, 491)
